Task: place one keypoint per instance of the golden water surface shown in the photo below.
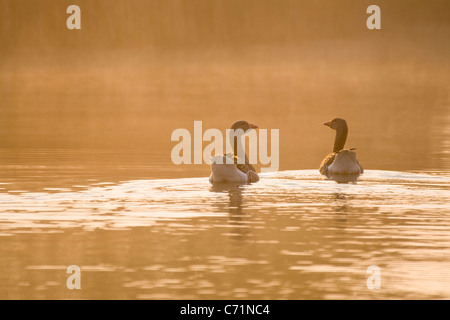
(86, 176)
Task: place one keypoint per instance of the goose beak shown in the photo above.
(327, 124)
(252, 126)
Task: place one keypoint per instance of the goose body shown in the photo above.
(340, 161)
(228, 168)
(221, 171)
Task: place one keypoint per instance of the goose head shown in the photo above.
(340, 126)
(243, 125)
(336, 124)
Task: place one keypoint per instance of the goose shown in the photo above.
(340, 161)
(225, 168)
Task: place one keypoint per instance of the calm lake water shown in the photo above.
(94, 186)
(293, 235)
(86, 176)
(141, 227)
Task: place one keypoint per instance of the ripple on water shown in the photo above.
(142, 202)
(293, 234)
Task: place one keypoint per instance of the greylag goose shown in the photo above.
(227, 168)
(340, 161)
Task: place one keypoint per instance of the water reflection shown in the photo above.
(236, 215)
(234, 191)
(292, 235)
(341, 208)
(87, 179)
(344, 178)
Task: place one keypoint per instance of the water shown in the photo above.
(86, 176)
(293, 235)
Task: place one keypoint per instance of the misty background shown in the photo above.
(111, 94)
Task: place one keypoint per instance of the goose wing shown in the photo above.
(248, 169)
(326, 163)
(360, 166)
